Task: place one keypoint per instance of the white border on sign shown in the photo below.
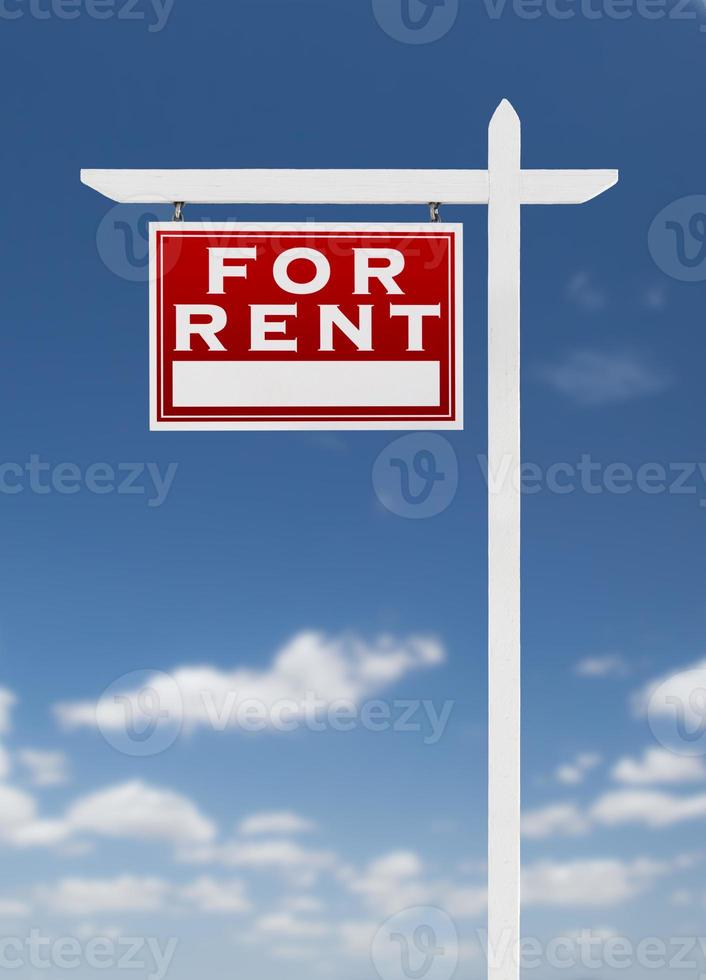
(314, 424)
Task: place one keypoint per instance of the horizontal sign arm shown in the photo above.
(340, 186)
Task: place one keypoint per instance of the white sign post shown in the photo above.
(504, 187)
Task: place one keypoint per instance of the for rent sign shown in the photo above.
(306, 326)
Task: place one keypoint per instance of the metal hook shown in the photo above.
(434, 212)
(178, 211)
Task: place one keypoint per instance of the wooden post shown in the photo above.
(504, 542)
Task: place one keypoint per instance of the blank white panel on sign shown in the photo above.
(283, 384)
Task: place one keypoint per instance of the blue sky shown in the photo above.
(271, 564)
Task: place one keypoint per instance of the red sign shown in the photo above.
(306, 326)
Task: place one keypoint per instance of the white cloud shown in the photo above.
(311, 668)
(45, 768)
(594, 378)
(569, 774)
(555, 820)
(391, 883)
(11, 908)
(647, 808)
(296, 953)
(17, 810)
(210, 895)
(277, 822)
(277, 854)
(680, 690)
(608, 665)
(592, 940)
(135, 893)
(357, 936)
(302, 903)
(659, 766)
(42, 833)
(682, 898)
(398, 864)
(287, 925)
(284, 856)
(654, 297)
(573, 773)
(589, 883)
(397, 881)
(132, 811)
(90, 930)
(85, 896)
(141, 812)
(637, 807)
(463, 901)
(583, 291)
(7, 702)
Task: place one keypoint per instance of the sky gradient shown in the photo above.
(195, 564)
